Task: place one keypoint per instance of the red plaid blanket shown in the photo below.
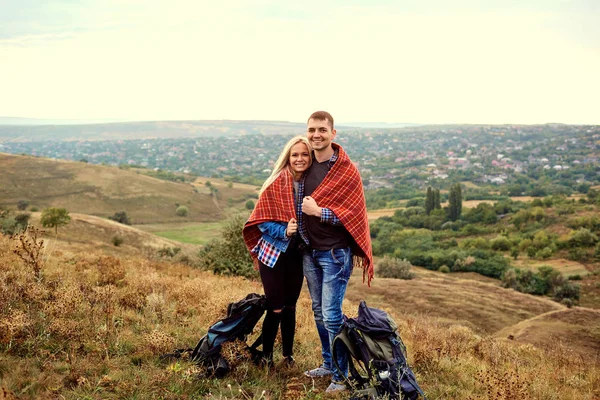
(276, 203)
(342, 192)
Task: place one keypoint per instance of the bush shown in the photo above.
(182, 211)
(121, 217)
(169, 251)
(117, 240)
(22, 205)
(500, 243)
(390, 267)
(567, 290)
(444, 269)
(583, 237)
(249, 205)
(229, 255)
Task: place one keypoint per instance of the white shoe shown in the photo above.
(335, 387)
(318, 372)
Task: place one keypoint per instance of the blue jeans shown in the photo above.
(327, 273)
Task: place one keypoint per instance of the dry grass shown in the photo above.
(483, 307)
(94, 326)
(575, 330)
(86, 233)
(102, 191)
(564, 266)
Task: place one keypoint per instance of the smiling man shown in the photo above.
(332, 221)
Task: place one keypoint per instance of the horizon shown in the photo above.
(428, 63)
(25, 121)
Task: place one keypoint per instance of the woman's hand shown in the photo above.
(292, 227)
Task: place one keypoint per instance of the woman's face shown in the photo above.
(299, 159)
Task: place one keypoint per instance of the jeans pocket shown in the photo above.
(340, 256)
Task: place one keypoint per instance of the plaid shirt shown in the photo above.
(266, 253)
(327, 216)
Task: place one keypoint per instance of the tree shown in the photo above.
(121, 217)
(436, 199)
(55, 217)
(455, 202)
(429, 201)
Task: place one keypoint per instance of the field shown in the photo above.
(101, 191)
(566, 267)
(190, 232)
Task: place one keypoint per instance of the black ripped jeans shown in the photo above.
(282, 285)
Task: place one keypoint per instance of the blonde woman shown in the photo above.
(272, 239)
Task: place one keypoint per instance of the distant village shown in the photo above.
(415, 156)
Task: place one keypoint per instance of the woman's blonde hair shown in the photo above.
(284, 160)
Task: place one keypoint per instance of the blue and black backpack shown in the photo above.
(376, 357)
(242, 317)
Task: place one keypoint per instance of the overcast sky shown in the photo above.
(420, 61)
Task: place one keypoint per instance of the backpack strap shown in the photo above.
(360, 380)
(398, 350)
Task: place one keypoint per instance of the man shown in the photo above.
(332, 221)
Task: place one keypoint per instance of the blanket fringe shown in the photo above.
(361, 262)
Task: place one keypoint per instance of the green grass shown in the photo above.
(192, 233)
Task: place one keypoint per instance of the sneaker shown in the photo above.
(318, 372)
(335, 387)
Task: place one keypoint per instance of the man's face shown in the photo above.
(319, 133)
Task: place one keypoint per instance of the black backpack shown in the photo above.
(375, 347)
(241, 319)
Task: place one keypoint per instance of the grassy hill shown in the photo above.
(575, 330)
(94, 326)
(102, 191)
(483, 307)
(87, 233)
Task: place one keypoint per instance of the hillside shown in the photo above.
(101, 322)
(102, 191)
(87, 233)
(575, 330)
(484, 307)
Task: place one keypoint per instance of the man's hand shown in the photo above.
(292, 227)
(310, 207)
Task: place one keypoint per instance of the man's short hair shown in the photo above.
(321, 116)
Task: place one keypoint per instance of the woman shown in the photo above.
(271, 236)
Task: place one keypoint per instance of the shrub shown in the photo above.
(121, 217)
(444, 269)
(22, 205)
(117, 240)
(583, 237)
(182, 211)
(34, 209)
(229, 255)
(391, 267)
(500, 243)
(544, 254)
(567, 290)
(169, 251)
(249, 205)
